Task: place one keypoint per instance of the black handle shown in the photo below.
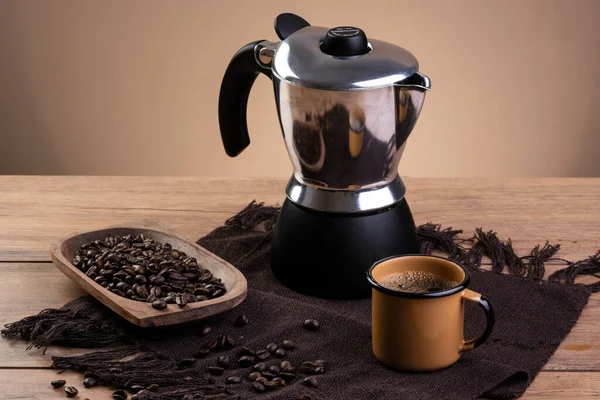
(233, 98)
(490, 317)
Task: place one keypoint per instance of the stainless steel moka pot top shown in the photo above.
(346, 104)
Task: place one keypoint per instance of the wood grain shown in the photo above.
(34, 384)
(35, 210)
(140, 313)
(579, 351)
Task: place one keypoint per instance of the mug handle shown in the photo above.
(484, 303)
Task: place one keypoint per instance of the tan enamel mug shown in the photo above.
(422, 331)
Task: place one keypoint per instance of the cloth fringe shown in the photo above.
(126, 367)
(64, 328)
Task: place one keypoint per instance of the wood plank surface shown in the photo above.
(579, 351)
(35, 385)
(35, 210)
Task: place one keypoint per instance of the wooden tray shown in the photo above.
(139, 313)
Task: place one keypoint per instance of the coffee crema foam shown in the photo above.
(416, 282)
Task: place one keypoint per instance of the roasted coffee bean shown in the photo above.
(226, 342)
(246, 351)
(286, 376)
(216, 370)
(263, 354)
(279, 381)
(259, 387)
(169, 300)
(58, 383)
(310, 381)
(242, 320)
(260, 367)
(115, 370)
(137, 268)
(159, 304)
(280, 353)
(182, 300)
(90, 382)
(233, 380)
(274, 369)
(202, 353)
(153, 387)
(288, 345)
(187, 362)
(223, 361)
(270, 385)
(71, 391)
(245, 361)
(311, 324)
(151, 299)
(261, 379)
(254, 376)
(119, 395)
(269, 375)
(272, 347)
(285, 365)
(136, 388)
(204, 331)
(213, 344)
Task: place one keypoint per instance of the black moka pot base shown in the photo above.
(328, 255)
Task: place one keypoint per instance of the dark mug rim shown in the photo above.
(456, 289)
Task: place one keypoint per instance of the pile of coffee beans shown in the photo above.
(142, 269)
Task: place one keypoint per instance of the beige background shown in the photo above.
(131, 87)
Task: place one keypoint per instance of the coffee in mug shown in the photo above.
(417, 282)
(418, 312)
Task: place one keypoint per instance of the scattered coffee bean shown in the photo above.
(187, 362)
(246, 351)
(288, 345)
(143, 394)
(204, 331)
(216, 370)
(233, 380)
(274, 369)
(259, 387)
(71, 391)
(242, 320)
(119, 395)
(144, 269)
(272, 347)
(270, 385)
(311, 324)
(254, 376)
(213, 344)
(90, 382)
(58, 383)
(263, 354)
(285, 365)
(260, 367)
(319, 369)
(279, 381)
(311, 381)
(202, 353)
(245, 361)
(225, 342)
(136, 388)
(224, 361)
(262, 380)
(159, 304)
(269, 375)
(280, 353)
(115, 370)
(287, 376)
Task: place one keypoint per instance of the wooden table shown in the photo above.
(34, 210)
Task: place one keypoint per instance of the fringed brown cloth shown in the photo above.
(533, 317)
